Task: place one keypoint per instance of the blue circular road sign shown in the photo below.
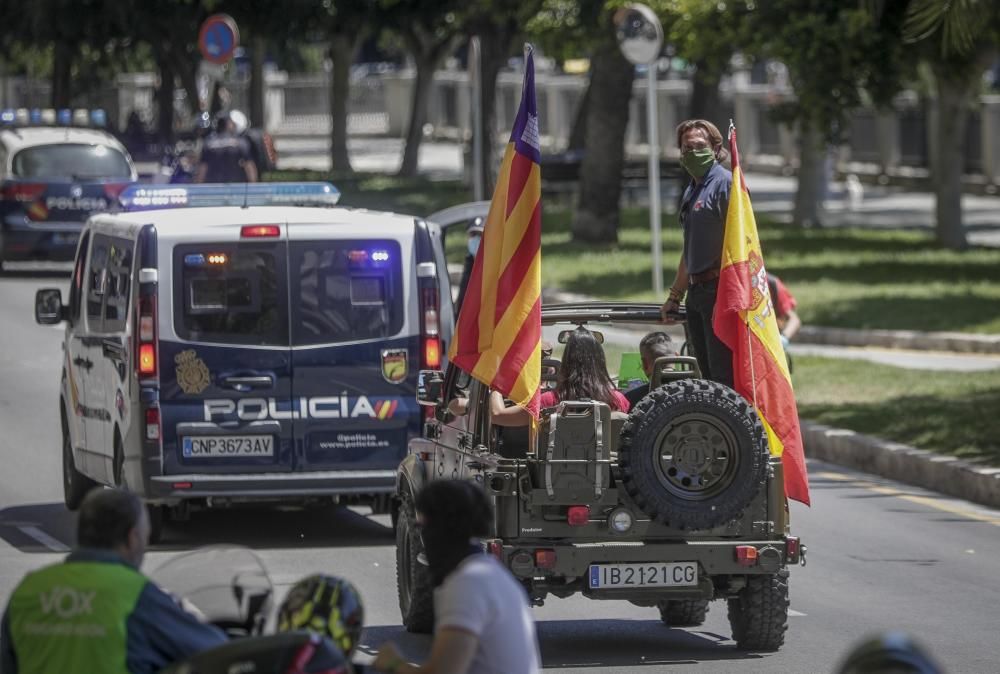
(218, 38)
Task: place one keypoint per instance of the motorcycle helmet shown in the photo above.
(327, 605)
(240, 122)
(889, 653)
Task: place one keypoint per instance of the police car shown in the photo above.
(229, 343)
(54, 173)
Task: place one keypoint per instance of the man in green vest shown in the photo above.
(95, 612)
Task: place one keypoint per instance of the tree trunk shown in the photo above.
(808, 193)
(495, 44)
(578, 133)
(257, 47)
(953, 96)
(705, 101)
(596, 216)
(341, 51)
(165, 102)
(62, 75)
(425, 63)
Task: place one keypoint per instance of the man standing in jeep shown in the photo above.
(703, 219)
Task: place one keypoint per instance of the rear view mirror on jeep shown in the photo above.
(564, 336)
(430, 387)
(49, 309)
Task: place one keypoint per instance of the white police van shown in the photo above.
(226, 353)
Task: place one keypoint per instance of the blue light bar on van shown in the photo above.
(146, 197)
(82, 117)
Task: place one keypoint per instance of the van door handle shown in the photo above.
(113, 349)
(245, 383)
(84, 363)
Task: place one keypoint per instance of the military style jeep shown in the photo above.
(672, 505)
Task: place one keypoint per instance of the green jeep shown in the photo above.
(672, 505)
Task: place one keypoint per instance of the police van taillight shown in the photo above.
(146, 337)
(430, 338)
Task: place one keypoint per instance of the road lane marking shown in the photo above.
(912, 498)
(44, 538)
(797, 614)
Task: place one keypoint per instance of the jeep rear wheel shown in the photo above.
(693, 454)
(759, 614)
(683, 612)
(76, 485)
(413, 580)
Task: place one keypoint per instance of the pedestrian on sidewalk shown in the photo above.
(703, 219)
(482, 622)
(95, 612)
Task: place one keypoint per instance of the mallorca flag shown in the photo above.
(744, 320)
(499, 332)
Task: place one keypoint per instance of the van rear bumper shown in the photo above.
(269, 486)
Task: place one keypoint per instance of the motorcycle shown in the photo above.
(229, 587)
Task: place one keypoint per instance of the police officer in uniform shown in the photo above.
(226, 156)
(95, 612)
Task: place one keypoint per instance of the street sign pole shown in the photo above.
(475, 74)
(655, 222)
(640, 37)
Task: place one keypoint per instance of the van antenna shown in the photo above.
(246, 193)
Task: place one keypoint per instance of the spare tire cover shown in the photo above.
(693, 454)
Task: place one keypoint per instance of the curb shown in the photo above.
(919, 467)
(959, 342)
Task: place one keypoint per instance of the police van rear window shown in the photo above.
(345, 291)
(231, 293)
(72, 161)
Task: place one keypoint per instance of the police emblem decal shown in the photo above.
(394, 365)
(192, 374)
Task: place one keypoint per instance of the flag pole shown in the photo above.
(745, 315)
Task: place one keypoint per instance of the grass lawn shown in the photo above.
(949, 413)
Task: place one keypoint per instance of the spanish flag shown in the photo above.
(499, 332)
(744, 320)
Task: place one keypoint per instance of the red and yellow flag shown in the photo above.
(499, 331)
(744, 320)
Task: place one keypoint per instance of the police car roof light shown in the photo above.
(80, 117)
(7, 116)
(146, 197)
(64, 116)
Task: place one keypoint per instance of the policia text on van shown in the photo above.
(220, 353)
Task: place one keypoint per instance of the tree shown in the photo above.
(957, 38)
(835, 52)
(497, 23)
(344, 23)
(429, 29)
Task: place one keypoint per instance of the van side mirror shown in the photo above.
(49, 309)
(430, 387)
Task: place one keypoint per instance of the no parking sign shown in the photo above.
(218, 38)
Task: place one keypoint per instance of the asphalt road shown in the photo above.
(881, 555)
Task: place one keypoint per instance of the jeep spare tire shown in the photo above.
(693, 454)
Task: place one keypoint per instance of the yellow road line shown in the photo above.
(912, 498)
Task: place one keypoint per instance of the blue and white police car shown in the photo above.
(232, 343)
(56, 169)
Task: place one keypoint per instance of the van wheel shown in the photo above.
(758, 615)
(413, 579)
(693, 454)
(76, 485)
(683, 612)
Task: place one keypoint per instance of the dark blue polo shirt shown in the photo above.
(703, 219)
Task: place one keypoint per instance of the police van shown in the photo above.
(230, 343)
(56, 169)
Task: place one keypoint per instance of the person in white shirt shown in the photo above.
(482, 620)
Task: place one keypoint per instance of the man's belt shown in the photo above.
(703, 277)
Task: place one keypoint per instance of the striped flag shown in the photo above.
(499, 331)
(744, 320)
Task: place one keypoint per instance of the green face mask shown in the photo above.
(697, 162)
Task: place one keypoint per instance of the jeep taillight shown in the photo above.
(545, 559)
(792, 549)
(146, 364)
(578, 515)
(430, 347)
(494, 546)
(746, 555)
